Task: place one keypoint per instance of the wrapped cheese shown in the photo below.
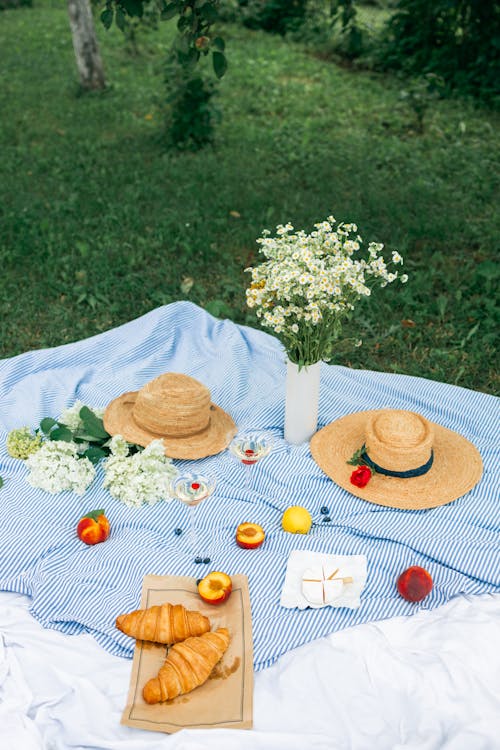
(322, 584)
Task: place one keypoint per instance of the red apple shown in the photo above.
(93, 528)
(249, 535)
(414, 584)
(215, 588)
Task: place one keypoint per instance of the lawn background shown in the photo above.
(100, 223)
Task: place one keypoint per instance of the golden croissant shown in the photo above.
(187, 666)
(167, 623)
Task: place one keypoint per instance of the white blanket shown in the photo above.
(427, 682)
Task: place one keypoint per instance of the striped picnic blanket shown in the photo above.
(77, 588)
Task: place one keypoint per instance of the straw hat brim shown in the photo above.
(456, 468)
(118, 420)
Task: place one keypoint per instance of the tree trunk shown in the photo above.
(88, 58)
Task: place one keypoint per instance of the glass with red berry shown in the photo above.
(249, 447)
(191, 489)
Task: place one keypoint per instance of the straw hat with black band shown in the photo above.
(415, 463)
(175, 408)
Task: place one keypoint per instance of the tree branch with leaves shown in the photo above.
(195, 20)
(189, 114)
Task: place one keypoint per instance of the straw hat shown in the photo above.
(175, 408)
(418, 464)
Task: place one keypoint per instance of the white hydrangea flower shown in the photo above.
(119, 446)
(142, 478)
(56, 467)
(71, 416)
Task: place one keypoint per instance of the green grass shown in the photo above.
(100, 224)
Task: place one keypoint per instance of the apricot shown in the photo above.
(249, 535)
(93, 528)
(215, 588)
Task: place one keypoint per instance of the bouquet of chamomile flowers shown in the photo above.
(309, 283)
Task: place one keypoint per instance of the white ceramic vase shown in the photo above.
(301, 402)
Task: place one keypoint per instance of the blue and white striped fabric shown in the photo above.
(77, 588)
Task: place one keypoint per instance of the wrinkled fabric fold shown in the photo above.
(424, 682)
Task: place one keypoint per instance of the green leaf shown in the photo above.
(183, 23)
(94, 454)
(61, 433)
(356, 457)
(86, 437)
(219, 43)
(92, 424)
(442, 304)
(169, 11)
(1, 482)
(470, 334)
(107, 18)
(488, 269)
(95, 514)
(82, 248)
(47, 424)
(193, 56)
(188, 60)
(219, 63)
(218, 308)
(132, 7)
(209, 13)
(121, 21)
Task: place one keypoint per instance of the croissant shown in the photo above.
(187, 666)
(167, 623)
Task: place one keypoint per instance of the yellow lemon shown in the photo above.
(296, 520)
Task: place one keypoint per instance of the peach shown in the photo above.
(93, 528)
(215, 588)
(249, 535)
(414, 584)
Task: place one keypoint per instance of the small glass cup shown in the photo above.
(191, 489)
(249, 447)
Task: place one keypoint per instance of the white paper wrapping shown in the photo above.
(301, 560)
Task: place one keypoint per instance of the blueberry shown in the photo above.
(324, 510)
(198, 560)
(326, 519)
(177, 532)
(198, 580)
(206, 560)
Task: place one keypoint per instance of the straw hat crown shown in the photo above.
(398, 440)
(175, 408)
(173, 405)
(415, 463)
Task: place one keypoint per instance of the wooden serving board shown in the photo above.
(225, 700)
